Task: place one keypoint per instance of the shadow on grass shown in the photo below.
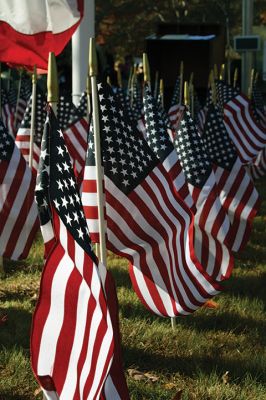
(192, 364)
(16, 330)
(121, 277)
(250, 286)
(7, 396)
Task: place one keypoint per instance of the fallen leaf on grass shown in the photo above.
(225, 377)
(140, 376)
(211, 304)
(178, 395)
(37, 391)
(169, 385)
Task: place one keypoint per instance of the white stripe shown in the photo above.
(70, 383)
(47, 231)
(54, 321)
(25, 231)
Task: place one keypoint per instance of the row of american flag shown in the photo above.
(179, 202)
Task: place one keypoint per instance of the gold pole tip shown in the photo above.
(52, 80)
(146, 68)
(93, 67)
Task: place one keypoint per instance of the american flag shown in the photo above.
(147, 221)
(258, 105)
(18, 211)
(257, 168)
(22, 101)
(83, 105)
(72, 337)
(136, 102)
(238, 195)
(199, 112)
(248, 136)
(66, 111)
(212, 224)
(23, 134)
(160, 143)
(8, 116)
(76, 139)
(175, 110)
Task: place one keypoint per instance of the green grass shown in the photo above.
(214, 354)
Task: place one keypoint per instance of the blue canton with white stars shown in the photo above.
(127, 158)
(220, 147)
(191, 152)
(62, 190)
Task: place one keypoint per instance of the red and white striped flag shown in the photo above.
(212, 225)
(76, 135)
(248, 136)
(72, 336)
(257, 168)
(30, 29)
(18, 212)
(23, 134)
(238, 195)
(147, 221)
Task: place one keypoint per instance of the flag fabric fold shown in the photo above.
(18, 211)
(212, 225)
(72, 336)
(147, 221)
(237, 193)
(247, 134)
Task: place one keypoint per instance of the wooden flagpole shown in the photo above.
(235, 77)
(186, 94)
(93, 70)
(161, 88)
(251, 81)
(133, 79)
(146, 70)
(18, 96)
(222, 72)
(89, 106)
(52, 99)
(33, 115)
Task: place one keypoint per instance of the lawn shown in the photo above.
(214, 354)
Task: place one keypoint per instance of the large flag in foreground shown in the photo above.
(147, 221)
(237, 193)
(30, 29)
(18, 211)
(72, 337)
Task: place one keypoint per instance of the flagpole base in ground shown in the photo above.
(173, 323)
